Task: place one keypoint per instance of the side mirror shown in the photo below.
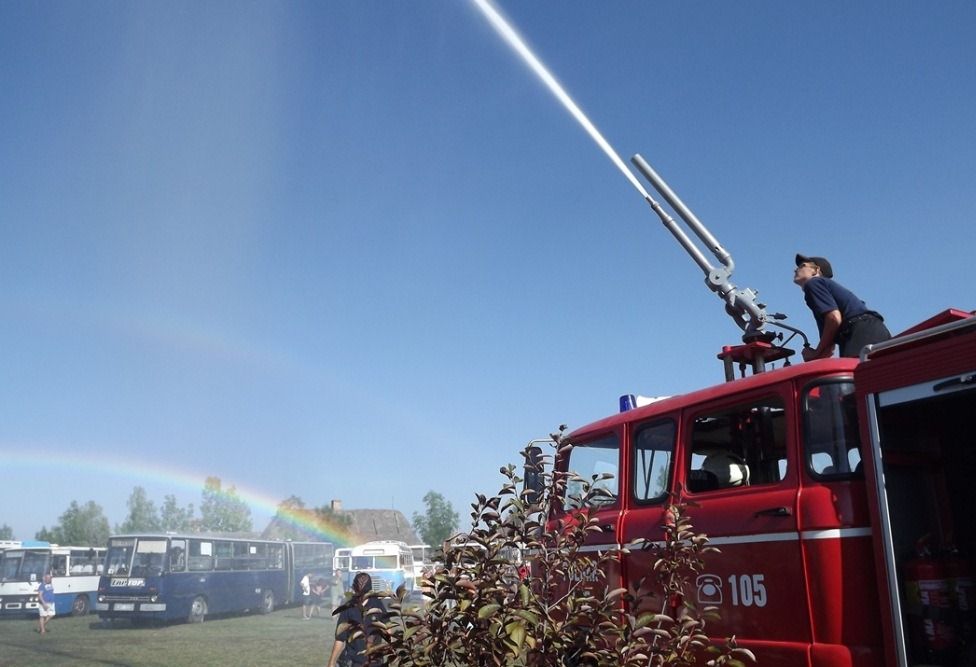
(533, 474)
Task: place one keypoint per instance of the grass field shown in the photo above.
(281, 638)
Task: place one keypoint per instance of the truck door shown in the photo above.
(739, 469)
(835, 528)
(652, 443)
(918, 401)
(595, 457)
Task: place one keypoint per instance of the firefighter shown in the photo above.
(842, 318)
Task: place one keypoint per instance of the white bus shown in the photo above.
(423, 559)
(74, 574)
(388, 562)
(341, 563)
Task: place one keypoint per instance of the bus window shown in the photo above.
(740, 446)
(653, 445)
(590, 459)
(240, 557)
(421, 553)
(201, 556)
(831, 443)
(119, 556)
(258, 556)
(84, 562)
(177, 555)
(276, 556)
(223, 555)
(59, 565)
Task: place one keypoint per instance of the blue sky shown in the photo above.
(356, 250)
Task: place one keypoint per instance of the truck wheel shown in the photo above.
(198, 610)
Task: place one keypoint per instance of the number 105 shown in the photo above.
(747, 590)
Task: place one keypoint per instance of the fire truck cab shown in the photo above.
(820, 483)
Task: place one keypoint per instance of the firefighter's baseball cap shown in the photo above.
(822, 262)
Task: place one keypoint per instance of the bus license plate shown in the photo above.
(125, 606)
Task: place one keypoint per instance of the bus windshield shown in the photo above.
(119, 558)
(25, 565)
(35, 564)
(374, 562)
(9, 564)
(148, 559)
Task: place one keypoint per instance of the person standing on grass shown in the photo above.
(307, 596)
(355, 625)
(318, 592)
(45, 603)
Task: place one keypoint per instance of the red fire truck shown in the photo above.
(841, 492)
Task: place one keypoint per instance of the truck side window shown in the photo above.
(589, 460)
(653, 447)
(738, 447)
(831, 441)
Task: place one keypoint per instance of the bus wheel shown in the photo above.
(197, 610)
(80, 606)
(267, 604)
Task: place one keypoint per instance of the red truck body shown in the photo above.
(816, 481)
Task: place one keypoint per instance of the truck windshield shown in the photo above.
(594, 459)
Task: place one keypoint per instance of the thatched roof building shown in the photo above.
(342, 526)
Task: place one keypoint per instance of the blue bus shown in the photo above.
(315, 560)
(74, 573)
(166, 577)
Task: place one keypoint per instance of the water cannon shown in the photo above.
(742, 305)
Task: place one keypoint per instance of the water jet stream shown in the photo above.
(509, 34)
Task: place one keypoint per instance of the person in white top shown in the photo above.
(306, 584)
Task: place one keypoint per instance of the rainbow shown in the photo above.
(304, 520)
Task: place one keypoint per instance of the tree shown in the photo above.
(79, 526)
(481, 610)
(293, 521)
(142, 516)
(221, 510)
(325, 516)
(290, 503)
(6, 532)
(175, 518)
(439, 522)
(286, 519)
